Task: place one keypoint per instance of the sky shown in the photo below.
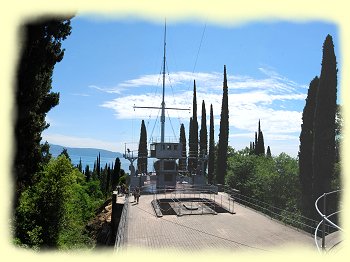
(110, 65)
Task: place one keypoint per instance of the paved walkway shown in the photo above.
(246, 230)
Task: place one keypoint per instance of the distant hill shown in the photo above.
(55, 150)
(89, 155)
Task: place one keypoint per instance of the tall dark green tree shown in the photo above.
(108, 180)
(183, 160)
(41, 50)
(260, 146)
(203, 137)
(221, 165)
(80, 166)
(87, 173)
(268, 152)
(211, 159)
(305, 150)
(324, 122)
(45, 153)
(116, 173)
(255, 143)
(142, 153)
(193, 138)
(65, 153)
(190, 135)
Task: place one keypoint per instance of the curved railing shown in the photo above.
(325, 219)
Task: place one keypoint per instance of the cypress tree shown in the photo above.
(80, 166)
(190, 142)
(203, 136)
(183, 160)
(211, 160)
(260, 144)
(108, 179)
(98, 166)
(87, 173)
(305, 150)
(324, 121)
(255, 144)
(116, 173)
(193, 138)
(33, 97)
(142, 153)
(223, 135)
(65, 153)
(268, 152)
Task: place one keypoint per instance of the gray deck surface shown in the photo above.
(246, 230)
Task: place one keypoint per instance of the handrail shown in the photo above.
(325, 218)
(270, 210)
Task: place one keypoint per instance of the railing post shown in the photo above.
(229, 204)
(324, 223)
(233, 205)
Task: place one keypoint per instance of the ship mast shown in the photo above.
(162, 118)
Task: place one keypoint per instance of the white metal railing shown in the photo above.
(325, 218)
(207, 196)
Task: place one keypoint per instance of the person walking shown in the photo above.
(137, 194)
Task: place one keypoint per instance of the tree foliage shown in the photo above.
(142, 152)
(116, 173)
(260, 146)
(268, 151)
(318, 147)
(41, 50)
(193, 136)
(270, 181)
(211, 159)
(305, 150)
(183, 160)
(203, 137)
(53, 212)
(324, 121)
(221, 166)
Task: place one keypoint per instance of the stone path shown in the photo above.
(246, 230)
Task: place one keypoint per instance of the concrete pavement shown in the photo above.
(246, 230)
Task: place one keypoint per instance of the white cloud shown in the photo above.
(113, 90)
(79, 94)
(250, 99)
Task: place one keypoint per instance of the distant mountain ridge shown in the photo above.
(55, 150)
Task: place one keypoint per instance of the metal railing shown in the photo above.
(121, 236)
(207, 195)
(325, 219)
(287, 217)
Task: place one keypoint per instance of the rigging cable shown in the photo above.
(171, 125)
(195, 63)
(172, 91)
(200, 45)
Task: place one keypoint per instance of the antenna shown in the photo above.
(162, 118)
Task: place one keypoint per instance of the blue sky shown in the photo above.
(111, 65)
